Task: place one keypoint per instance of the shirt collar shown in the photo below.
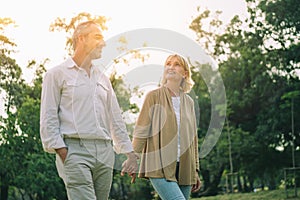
(70, 63)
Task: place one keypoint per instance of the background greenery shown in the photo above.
(258, 58)
(262, 195)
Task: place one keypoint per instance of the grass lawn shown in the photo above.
(261, 195)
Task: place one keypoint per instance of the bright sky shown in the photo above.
(34, 17)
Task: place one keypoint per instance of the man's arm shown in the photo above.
(121, 138)
(122, 143)
(49, 122)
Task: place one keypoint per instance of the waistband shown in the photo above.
(76, 138)
(82, 141)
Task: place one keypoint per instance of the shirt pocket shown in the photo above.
(73, 83)
(74, 89)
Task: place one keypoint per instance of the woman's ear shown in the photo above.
(185, 74)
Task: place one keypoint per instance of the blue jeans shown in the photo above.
(169, 190)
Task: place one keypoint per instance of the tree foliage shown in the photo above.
(258, 58)
(22, 158)
(258, 61)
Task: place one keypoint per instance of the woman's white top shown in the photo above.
(176, 107)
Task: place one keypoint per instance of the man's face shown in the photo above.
(94, 42)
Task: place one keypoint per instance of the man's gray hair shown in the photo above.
(81, 29)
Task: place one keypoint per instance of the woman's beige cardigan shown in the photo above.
(155, 136)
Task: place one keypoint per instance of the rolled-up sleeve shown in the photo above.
(49, 120)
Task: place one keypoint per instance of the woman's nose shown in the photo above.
(170, 66)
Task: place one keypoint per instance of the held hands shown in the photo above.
(130, 166)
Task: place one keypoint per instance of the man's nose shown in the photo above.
(102, 43)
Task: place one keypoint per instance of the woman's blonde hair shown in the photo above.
(187, 82)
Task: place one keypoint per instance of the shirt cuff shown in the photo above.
(58, 144)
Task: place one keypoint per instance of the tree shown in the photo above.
(21, 153)
(255, 75)
(11, 85)
(38, 166)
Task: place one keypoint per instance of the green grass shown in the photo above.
(261, 195)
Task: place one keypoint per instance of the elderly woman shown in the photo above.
(166, 134)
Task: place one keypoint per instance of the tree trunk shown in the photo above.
(262, 187)
(272, 184)
(245, 185)
(240, 188)
(4, 192)
(211, 188)
(251, 183)
(206, 179)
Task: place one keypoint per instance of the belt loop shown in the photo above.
(80, 142)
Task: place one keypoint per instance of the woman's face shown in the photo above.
(174, 70)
